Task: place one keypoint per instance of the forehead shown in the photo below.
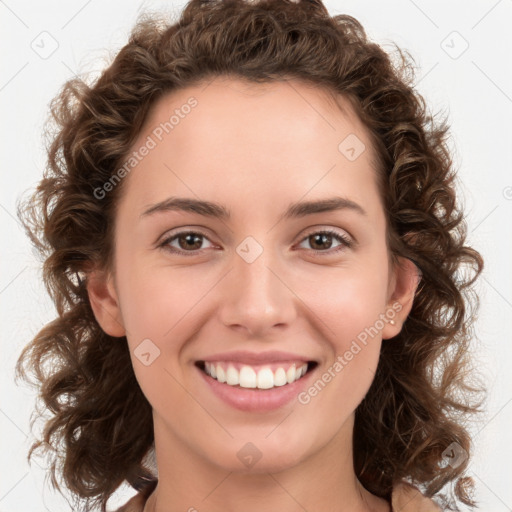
(295, 107)
(283, 138)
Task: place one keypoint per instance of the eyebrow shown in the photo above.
(219, 211)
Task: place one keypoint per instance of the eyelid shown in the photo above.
(346, 241)
(180, 231)
(342, 233)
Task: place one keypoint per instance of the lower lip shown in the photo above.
(254, 399)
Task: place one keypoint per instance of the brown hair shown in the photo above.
(100, 426)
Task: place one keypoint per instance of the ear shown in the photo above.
(104, 302)
(405, 278)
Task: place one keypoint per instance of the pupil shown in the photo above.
(190, 240)
(323, 237)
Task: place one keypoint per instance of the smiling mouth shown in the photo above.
(256, 376)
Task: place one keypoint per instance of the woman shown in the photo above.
(253, 241)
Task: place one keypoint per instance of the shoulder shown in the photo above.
(134, 504)
(145, 487)
(406, 498)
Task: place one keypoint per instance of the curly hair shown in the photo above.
(100, 424)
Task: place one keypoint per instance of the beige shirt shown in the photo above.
(404, 498)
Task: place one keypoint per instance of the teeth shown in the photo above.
(291, 374)
(280, 377)
(265, 378)
(233, 377)
(221, 376)
(248, 377)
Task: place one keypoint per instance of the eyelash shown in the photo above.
(345, 242)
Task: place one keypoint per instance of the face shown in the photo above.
(252, 288)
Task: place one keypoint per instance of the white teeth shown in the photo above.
(221, 376)
(280, 377)
(248, 377)
(290, 374)
(232, 377)
(265, 378)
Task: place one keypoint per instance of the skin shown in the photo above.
(255, 149)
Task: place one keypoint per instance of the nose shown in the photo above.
(256, 297)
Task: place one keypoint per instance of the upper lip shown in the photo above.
(242, 356)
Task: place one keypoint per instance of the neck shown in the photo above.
(324, 481)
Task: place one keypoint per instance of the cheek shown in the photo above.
(348, 301)
(160, 308)
(158, 315)
(350, 306)
(151, 302)
(355, 331)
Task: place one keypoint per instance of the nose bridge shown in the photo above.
(257, 297)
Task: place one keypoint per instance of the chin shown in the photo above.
(259, 456)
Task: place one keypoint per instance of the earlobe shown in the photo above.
(404, 284)
(104, 303)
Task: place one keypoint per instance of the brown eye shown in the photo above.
(188, 242)
(321, 241)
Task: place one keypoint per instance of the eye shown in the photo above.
(188, 242)
(325, 237)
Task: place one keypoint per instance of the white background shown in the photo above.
(475, 88)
